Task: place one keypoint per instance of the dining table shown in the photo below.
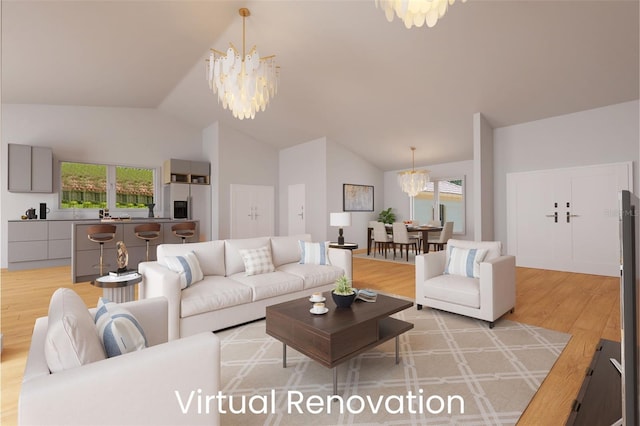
(423, 229)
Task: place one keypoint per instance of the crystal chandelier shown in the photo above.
(414, 181)
(244, 84)
(415, 12)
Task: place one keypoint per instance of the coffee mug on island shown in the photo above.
(318, 307)
(316, 296)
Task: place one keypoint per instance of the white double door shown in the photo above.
(252, 211)
(566, 219)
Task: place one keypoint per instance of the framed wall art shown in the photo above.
(357, 198)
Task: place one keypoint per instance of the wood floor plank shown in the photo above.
(586, 306)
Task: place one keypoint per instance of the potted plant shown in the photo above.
(343, 294)
(387, 216)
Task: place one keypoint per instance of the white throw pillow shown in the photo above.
(465, 262)
(186, 266)
(118, 329)
(314, 253)
(72, 338)
(257, 261)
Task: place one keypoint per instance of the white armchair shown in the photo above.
(487, 297)
(137, 388)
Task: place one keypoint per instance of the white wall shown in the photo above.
(210, 148)
(604, 135)
(306, 164)
(399, 201)
(324, 166)
(483, 178)
(242, 160)
(125, 136)
(343, 166)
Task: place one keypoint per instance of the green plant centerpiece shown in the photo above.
(387, 216)
(343, 294)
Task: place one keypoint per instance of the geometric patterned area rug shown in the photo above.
(453, 370)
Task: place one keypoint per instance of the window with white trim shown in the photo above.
(99, 186)
(441, 201)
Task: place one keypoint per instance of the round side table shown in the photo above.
(345, 246)
(119, 288)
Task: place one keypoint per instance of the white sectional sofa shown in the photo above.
(227, 296)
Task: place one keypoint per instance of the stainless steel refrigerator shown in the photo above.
(190, 201)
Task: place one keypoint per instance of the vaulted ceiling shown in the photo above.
(346, 73)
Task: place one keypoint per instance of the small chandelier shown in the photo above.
(415, 12)
(413, 182)
(244, 84)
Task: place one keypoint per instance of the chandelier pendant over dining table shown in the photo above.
(413, 181)
(244, 83)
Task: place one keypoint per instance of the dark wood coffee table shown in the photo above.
(338, 335)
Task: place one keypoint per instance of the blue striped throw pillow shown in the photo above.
(118, 329)
(314, 253)
(465, 262)
(186, 266)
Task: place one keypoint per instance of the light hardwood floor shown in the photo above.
(585, 306)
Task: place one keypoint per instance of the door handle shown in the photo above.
(569, 216)
(554, 216)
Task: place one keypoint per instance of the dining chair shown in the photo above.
(434, 236)
(381, 239)
(402, 238)
(415, 234)
(372, 224)
(446, 233)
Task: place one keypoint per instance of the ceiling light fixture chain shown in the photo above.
(243, 82)
(414, 181)
(415, 12)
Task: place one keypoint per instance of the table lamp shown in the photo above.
(341, 219)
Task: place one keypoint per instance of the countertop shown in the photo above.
(116, 220)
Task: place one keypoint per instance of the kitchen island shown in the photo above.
(85, 254)
(43, 243)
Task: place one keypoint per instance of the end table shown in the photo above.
(345, 246)
(118, 288)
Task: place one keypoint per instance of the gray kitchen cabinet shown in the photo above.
(59, 249)
(200, 168)
(27, 251)
(19, 168)
(28, 230)
(29, 244)
(176, 171)
(186, 171)
(59, 239)
(30, 169)
(41, 169)
(60, 230)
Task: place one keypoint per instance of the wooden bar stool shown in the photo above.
(184, 230)
(147, 232)
(101, 234)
